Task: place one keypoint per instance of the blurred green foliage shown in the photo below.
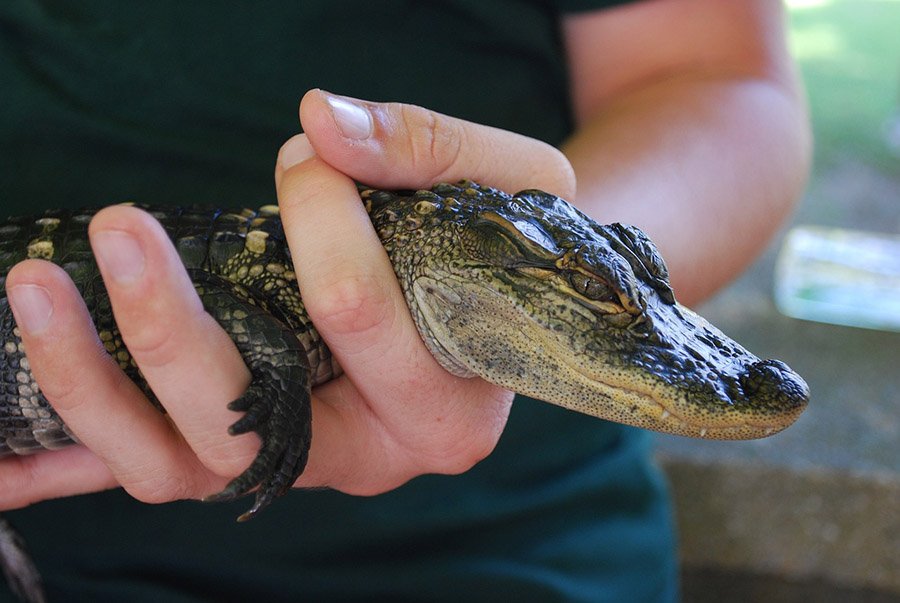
(849, 53)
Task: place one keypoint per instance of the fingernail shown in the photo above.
(352, 119)
(32, 307)
(119, 254)
(296, 150)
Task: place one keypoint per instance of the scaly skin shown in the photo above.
(524, 291)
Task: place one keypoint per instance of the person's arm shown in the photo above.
(692, 126)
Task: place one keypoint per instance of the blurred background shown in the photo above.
(813, 513)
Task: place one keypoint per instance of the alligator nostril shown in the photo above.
(775, 383)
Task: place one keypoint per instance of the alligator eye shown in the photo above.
(527, 236)
(592, 288)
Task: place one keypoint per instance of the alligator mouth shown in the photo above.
(638, 399)
(747, 398)
(661, 414)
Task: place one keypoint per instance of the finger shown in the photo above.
(349, 286)
(373, 437)
(107, 411)
(394, 145)
(189, 361)
(25, 480)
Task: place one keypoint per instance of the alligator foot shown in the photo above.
(285, 443)
(276, 405)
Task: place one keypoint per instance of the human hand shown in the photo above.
(393, 415)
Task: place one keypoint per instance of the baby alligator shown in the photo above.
(522, 290)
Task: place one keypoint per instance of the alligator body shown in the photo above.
(524, 291)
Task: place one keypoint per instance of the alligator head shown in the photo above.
(530, 294)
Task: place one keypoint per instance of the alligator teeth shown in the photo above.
(703, 432)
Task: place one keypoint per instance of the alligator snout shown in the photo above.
(773, 385)
(711, 387)
(761, 398)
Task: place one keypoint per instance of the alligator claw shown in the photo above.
(284, 429)
(276, 405)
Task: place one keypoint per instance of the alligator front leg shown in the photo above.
(276, 405)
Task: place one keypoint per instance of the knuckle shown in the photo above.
(353, 305)
(436, 142)
(17, 481)
(55, 380)
(156, 343)
(226, 455)
(451, 455)
(59, 392)
(159, 485)
(455, 449)
(455, 462)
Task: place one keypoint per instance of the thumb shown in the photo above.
(395, 145)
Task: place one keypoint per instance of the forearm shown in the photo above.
(708, 167)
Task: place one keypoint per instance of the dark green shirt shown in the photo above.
(187, 102)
